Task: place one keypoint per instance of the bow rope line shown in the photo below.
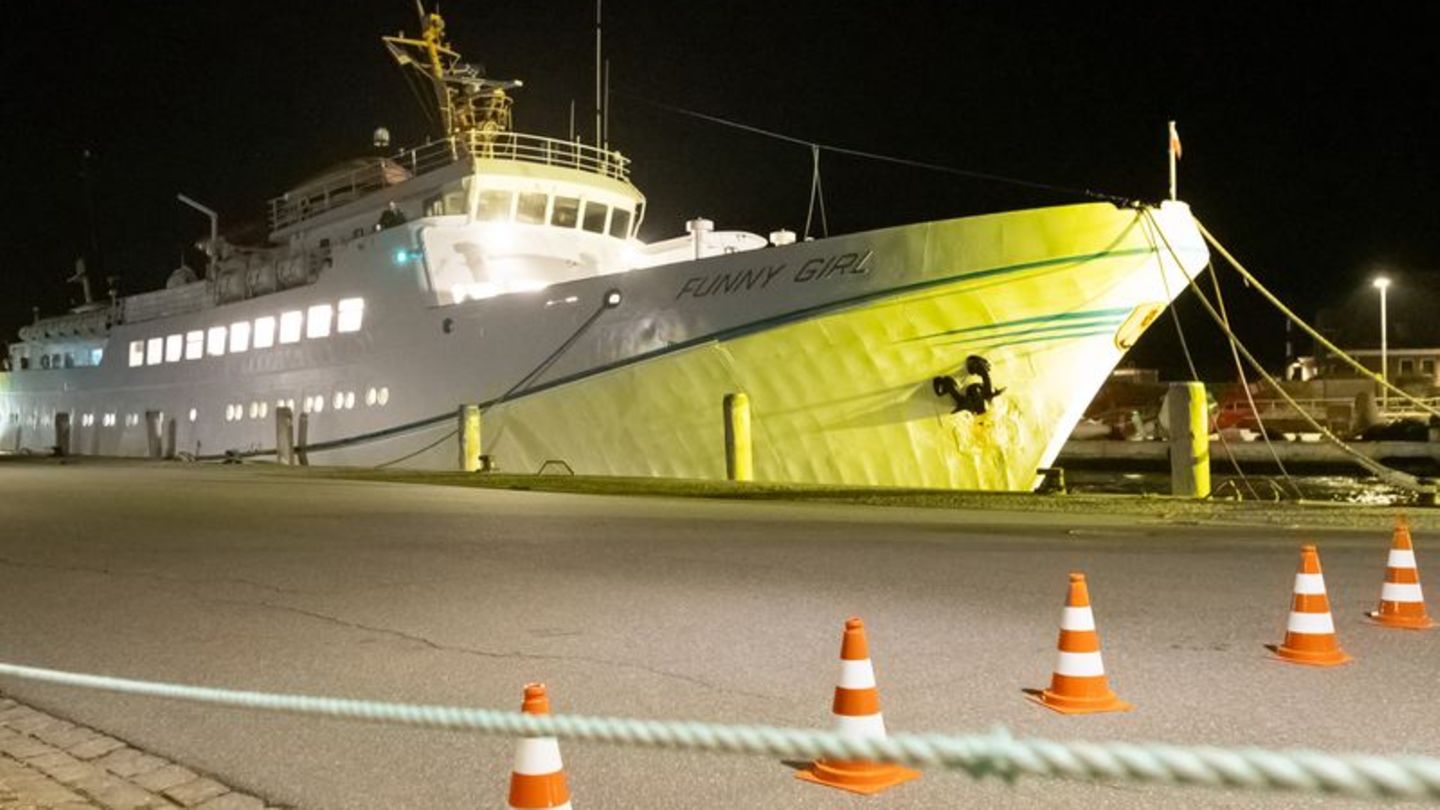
(994, 754)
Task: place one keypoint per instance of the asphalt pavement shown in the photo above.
(665, 608)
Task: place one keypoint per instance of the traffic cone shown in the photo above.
(1078, 685)
(1310, 632)
(1401, 603)
(857, 714)
(538, 780)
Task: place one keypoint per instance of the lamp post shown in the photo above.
(1382, 284)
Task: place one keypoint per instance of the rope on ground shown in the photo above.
(1311, 331)
(1393, 477)
(993, 754)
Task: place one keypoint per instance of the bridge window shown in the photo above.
(239, 337)
(174, 348)
(265, 332)
(352, 313)
(494, 206)
(290, 326)
(620, 224)
(566, 213)
(594, 220)
(317, 323)
(194, 345)
(137, 353)
(530, 208)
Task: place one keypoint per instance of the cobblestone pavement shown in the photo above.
(50, 764)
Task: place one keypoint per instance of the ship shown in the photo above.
(504, 271)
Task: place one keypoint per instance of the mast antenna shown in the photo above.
(599, 99)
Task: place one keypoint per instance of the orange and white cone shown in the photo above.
(1401, 603)
(857, 714)
(538, 780)
(1079, 685)
(1310, 631)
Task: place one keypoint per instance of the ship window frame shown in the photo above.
(239, 337)
(349, 315)
(215, 339)
(264, 335)
(486, 209)
(292, 326)
(137, 353)
(317, 321)
(526, 216)
(174, 348)
(572, 215)
(616, 213)
(585, 217)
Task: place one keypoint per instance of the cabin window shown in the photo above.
(154, 351)
(193, 414)
(566, 213)
(194, 345)
(96, 355)
(620, 223)
(594, 220)
(1407, 367)
(239, 337)
(290, 326)
(530, 208)
(265, 332)
(174, 348)
(494, 206)
(137, 353)
(1427, 367)
(317, 322)
(352, 313)
(215, 341)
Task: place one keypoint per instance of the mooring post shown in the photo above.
(302, 440)
(469, 433)
(152, 434)
(284, 435)
(739, 462)
(1189, 415)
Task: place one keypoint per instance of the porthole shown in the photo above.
(384, 396)
(193, 414)
(370, 396)
(339, 401)
(349, 400)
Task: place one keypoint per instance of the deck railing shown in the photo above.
(339, 189)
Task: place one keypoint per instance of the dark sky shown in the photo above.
(1307, 128)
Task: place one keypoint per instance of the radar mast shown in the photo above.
(467, 101)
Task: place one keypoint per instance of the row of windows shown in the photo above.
(262, 333)
(258, 409)
(539, 208)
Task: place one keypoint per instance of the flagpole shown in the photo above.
(1170, 149)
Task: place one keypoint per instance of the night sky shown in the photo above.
(1307, 131)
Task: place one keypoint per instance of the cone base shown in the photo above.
(866, 778)
(1329, 658)
(1400, 622)
(1070, 705)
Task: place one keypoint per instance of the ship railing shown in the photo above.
(340, 189)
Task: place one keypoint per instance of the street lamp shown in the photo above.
(1382, 284)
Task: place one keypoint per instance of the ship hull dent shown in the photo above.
(847, 397)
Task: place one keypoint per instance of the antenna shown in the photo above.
(599, 100)
(572, 120)
(607, 104)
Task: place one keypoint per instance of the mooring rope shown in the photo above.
(993, 754)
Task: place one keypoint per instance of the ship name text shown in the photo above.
(759, 278)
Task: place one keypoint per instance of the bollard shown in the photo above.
(152, 433)
(62, 434)
(1189, 415)
(302, 440)
(739, 463)
(469, 433)
(284, 435)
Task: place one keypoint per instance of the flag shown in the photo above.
(1174, 141)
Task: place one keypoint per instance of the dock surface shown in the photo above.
(668, 608)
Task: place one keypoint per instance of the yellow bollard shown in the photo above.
(1189, 415)
(469, 438)
(739, 463)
